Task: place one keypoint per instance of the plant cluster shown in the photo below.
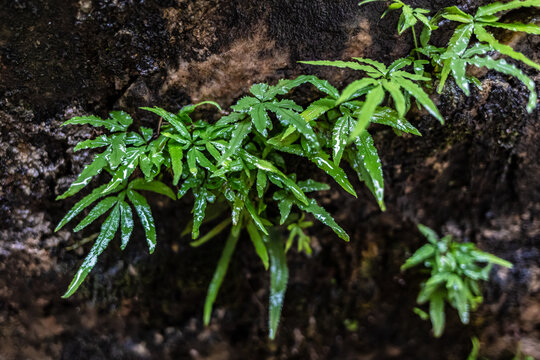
(236, 168)
(237, 164)
(454, 276)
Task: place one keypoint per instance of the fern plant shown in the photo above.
(458, 54)
(236, 169)
(409, 17)
(237, 163)
(454, 276)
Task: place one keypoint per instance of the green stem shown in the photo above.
(415, 42)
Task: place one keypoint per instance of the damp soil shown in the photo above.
(476, 177)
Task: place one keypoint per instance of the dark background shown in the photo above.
(476, 177)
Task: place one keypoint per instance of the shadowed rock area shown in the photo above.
(476, 177)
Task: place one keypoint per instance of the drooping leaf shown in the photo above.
(125, 170)
(89, 171)
(221, 271)
(399, 100)
(323, 216)
(288, 117)
(285, 207)
(459, 72)
(174, 120)
(101, 208)
(483, 35)
(118, 150)
(145, 215)
(192, 161)
(318, 108)
(496, 7)
(98, 142)
(373, 99)
(436, 313)
(420, 255)
(255, 216)
(270, 168)
(258, 244)
(279, 277)
(108, 229)
(340, 135)
(261, 183)
(353, 89)
(239, 134)
(260, 118)
(420, 95)
(389, 117)
(127, 224)
(322, 160)
(199, 209)
(154, 186)
(109, 124)
(81, 205)
(175, 151)
(369, 159)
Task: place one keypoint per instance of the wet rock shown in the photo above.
(476, 177)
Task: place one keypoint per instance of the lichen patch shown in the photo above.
(225, 76)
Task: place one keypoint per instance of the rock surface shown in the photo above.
(476, 177)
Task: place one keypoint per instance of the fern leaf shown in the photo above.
(509, 69)
(127, 224)
(172, 119)
(483, 35)
(460, 39)
(279, 277)
(95, 121)
(239, 134)
(389, 117)
(258, 244)
(369, 160)
(154, 186)
(344, 64)
(323, 216)
(395, 92)
(420, 95)
(98, 142)
(89, 171)
(260, 118)
(145, 216)
(322, 160)
(101, 208)
(176, 154)
(81, 205)
(318, 108)
(340, 134)
(220, 272)
(108, 230)
(528, 28)
(498, 7)
(373, 99)
(355, 88)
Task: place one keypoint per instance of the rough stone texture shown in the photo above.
(476, 177)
